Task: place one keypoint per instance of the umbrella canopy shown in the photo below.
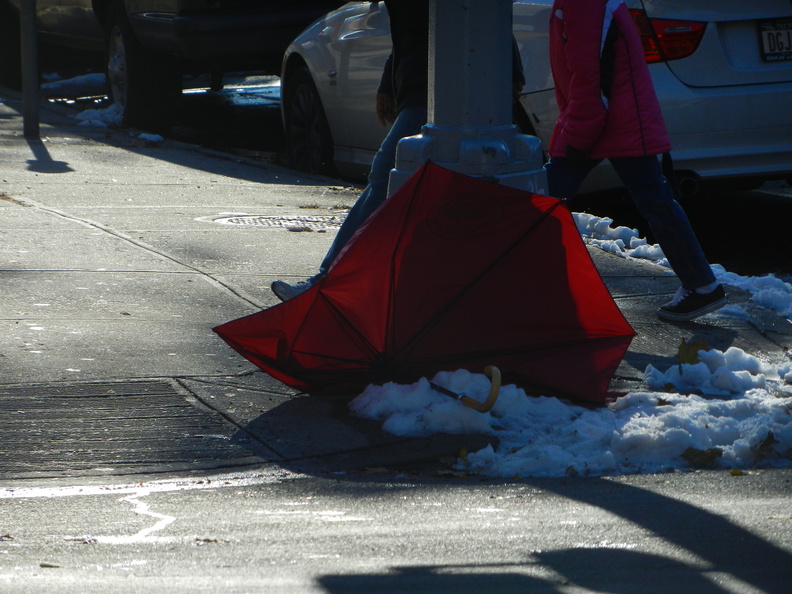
(451, 272)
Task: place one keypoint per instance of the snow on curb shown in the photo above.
(726, 410)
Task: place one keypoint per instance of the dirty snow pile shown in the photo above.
(746, 425)
(86, 85)
(89, 85)
(109, 117)
(101, 117)
(720, 410)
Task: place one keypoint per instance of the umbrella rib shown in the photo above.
(335, 358)
(389, 334)
(418, 336)
(363, 342)
(361, 339)
(513, 350)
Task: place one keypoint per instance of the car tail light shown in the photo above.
(666, 39)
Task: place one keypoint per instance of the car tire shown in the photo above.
(309, 144)
(145, 85)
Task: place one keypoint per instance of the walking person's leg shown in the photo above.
(565, 176)
(407, 123)
(654, 199)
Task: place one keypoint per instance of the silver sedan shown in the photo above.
(722, 71)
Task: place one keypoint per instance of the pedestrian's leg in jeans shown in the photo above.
(654, 199)
(564, 177)
(408, 123)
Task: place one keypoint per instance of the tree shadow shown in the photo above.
(722, 545)
(430, 580)
(695, 551)
(620, 571)
(616, 571)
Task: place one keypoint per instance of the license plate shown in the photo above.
(776, 39)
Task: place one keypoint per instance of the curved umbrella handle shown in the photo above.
(494, 374)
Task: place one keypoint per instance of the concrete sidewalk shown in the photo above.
(120, 254)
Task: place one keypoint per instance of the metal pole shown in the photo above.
(470, 70)
(470, 126)
(30, 69)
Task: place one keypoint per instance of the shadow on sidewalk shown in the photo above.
(318, 435)
(43, 162)
(57, 123)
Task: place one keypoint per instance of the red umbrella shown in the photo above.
(451, 272)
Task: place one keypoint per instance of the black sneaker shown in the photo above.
(687, 305)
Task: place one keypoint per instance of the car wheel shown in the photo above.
(144, 84)
(308, 141)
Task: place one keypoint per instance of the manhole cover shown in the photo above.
(297, 223)
(112, 428)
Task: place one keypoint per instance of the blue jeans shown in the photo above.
(654, 199)
(408, 123)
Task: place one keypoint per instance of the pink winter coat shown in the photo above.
(605, 95)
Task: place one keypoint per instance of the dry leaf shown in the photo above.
(702, 458)
(688, 352)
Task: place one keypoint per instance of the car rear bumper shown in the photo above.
(720, 155)
(725, 131)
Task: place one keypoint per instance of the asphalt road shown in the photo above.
(699, 532)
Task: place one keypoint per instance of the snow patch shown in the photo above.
(728, 410)
(741, 422)
(101, 118)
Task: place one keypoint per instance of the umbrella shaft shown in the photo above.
(446, 391)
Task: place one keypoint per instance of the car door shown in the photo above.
(70, 23)
(360, 50)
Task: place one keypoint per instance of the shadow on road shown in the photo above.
(709, 550)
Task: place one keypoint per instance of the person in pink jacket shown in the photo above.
(608, 109)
